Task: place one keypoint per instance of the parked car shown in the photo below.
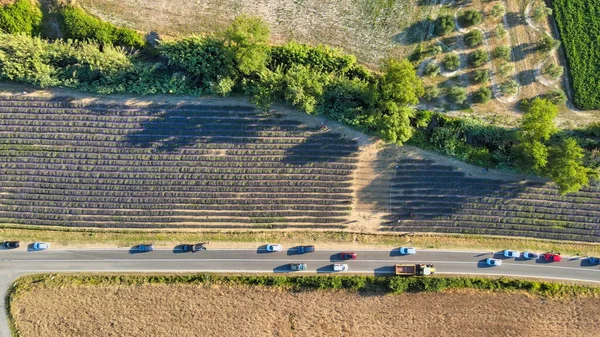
(41, 245)
(512, 253)
(594, 260)
(146, 247)
(348, 256)
(274, 247)
(530, 255)
(298, 266)
(552, 257)
(493, 262)
(306, 249)
(189, 248)
(340, 267)
(408, 251)
(11, 244)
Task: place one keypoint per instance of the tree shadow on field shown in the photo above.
(415, 33)
(514, 19)
(526, 77)
(520, 52)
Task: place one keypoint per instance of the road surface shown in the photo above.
(14, 263)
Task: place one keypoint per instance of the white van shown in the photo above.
(340, 267)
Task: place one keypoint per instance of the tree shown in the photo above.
(400, 83)
(556, 96)
(565, 166)
(444, 25)
(532, 155)
(510, 87)
(500, 31)
(394, 126)
(553, 70)
(540, 13)
(457, 95)
(506, 68)
(431, 92)
(538, 121)
(451, 62)
(248, 37)
(482, 95)
(432, 69)
(478, 58)
(304, 88)
(547, 43)
(480, 76)
(470, 17)
(502, 52)
(474, 38)
(498, 11)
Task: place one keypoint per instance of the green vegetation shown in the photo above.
(553, 70)
(431, 92)
(579, 25)
(480, 76)
(473, 38)
(499, 31)
(506, 68)
(509, 88)
(478, 58)
(470, 17)
(547, 43)
(556, 96)
(482, 95)
(540, 13)
(498, 11)
(444, 25)
(502, 52)
(432, 69)
(457, 95)
(23, 16)
(451, 62)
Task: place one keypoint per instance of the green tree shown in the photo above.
(482, 95)
(304, 88)
(510, 87)
(478, 58)
(565, 166)
(538, 121)
(473, 38)
(499, 31)
(265, 90)
(457, 95)
(505, 68)
(400, 83)
(431, 92)
(553, 70)
(540, 13)
(480, 76)
(394, 126)
(248, 37)
(556, 96)
(451, 62)
(470, 17)
(498, 11)
(502, 52)
(547, 43)
(432, 69)
(444, 25)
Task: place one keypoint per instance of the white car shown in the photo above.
(41, 245)
(408, 251)
(493, 262)
(530, 255)
(512, 253)
(340, 267)
(274, 248)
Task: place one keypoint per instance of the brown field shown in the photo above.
(160, 310)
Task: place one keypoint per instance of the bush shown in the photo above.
(547, 43)
(444, 25)
(553, 70)
(506, 69)
(480, 76)
(470, 17)
(540, 13)
(478, 58)
(78, 25)
(556, 96)
(509, 87)
(23, 16)
(473, 38)
(499, 31)
(498, 11)
(431, 92)
(451, 62)
(432, 69)
(502, 52)
(457, 95)
(482, 95)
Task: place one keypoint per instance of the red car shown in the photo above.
(348, 256)
(552, 257)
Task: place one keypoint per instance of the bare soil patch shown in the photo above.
(185, 310)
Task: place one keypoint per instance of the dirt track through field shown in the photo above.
(159, 310)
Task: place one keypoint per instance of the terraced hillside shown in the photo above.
(428, 197)
(206, 166)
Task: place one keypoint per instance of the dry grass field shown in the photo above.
(160, 310)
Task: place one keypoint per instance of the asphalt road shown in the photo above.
(14, 263)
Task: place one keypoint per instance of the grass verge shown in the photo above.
(69, 237)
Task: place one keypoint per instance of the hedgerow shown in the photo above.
(23, 16)
(579, 25)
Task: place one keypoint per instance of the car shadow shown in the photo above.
(385, 271)
(483, 264)
(541, 260)
(395, 252)
(284, 268)
(30, 248)
(262, 250)
(521, 258)
(178, 249)
(135, 250)
(293, 251)
(325, 269)
(586, 263)
(335, 258)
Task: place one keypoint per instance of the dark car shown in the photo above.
(594, 260)
(306, 249)
(146, 248)
(189, 248)
(348, 256)
(11, 244)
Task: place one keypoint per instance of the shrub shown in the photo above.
(451, 62)
(499, 31)
(247, 37)
(498, 11)
(506, 69)
(444, 25)
(473, 38)
(457, 95)
(432, 69)
(431, 92)
(509, 87)
(502, 52)
(556, 96)
(553, 70)
(482, 95)
(78, 25)
(547, 43)
(540, 13)
(480, 76)
(470, 17)
(478, 58)
(23, 16)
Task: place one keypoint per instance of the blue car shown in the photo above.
(306, 249)
(146, 248)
